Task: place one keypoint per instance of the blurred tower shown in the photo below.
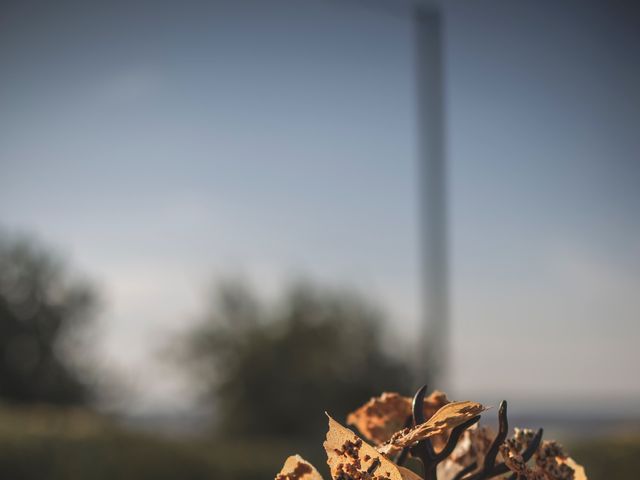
(433, 342)
(432, 358)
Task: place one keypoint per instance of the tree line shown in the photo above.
(267, 368)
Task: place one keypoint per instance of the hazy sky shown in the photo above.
(163, 145)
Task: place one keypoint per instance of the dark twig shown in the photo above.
(430, 459)
(417, 407)
(503, 431)
(533, 446)
(402, 456)
(490, 469)
(456, 433)
(468, 469)
(424, 449)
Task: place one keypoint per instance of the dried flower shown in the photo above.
(468, 452)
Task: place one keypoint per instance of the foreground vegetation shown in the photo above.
(609, 458)
(51, 444)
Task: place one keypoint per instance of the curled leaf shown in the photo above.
(297, 468)
(348, 456)
(449, 416)
(379, 418)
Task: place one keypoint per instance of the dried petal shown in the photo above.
(348, 456)
(297, 468)
(549, 462)
(447, 417)
(579, 473)
(379, 418)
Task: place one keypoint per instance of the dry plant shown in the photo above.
(442, 435)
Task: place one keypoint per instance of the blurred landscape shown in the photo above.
(46, 443)
(220, 220)
(268, 371)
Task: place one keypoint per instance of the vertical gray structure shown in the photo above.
(432, 358)
(433, 342)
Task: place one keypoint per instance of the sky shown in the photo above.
(162, 146)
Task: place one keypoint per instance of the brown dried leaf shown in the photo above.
(351, 457)
(297, 468)
(550, 461)
(379, 418)
(447, 417)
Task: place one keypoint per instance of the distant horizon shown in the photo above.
(564, 424)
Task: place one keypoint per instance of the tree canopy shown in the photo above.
(42, 309)
(272, 369)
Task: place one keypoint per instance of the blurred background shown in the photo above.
(220, 219)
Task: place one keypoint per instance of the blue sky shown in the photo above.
(162, 147)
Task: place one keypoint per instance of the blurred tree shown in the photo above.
(41, 312)
(274, 370)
